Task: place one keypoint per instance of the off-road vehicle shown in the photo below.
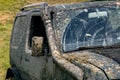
(79, 41)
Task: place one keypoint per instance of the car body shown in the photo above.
(79, 41)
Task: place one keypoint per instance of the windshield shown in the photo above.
(88, 27)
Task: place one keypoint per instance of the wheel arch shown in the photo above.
(13, 73)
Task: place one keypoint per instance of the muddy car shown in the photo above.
(79, 41)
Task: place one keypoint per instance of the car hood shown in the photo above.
(93, 63)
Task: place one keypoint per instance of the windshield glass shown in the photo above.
(88, 27)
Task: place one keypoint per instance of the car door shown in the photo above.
(36, 67)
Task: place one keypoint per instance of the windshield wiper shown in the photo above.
(117, 45)
(114, 46)
(93, 47)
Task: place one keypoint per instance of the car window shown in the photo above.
(93, 27)
(87, 27)
(19, 30)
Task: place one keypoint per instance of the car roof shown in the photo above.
(60, 7)
(72, 6)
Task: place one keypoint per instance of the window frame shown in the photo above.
(30, 15)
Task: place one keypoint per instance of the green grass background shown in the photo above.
(8, 10)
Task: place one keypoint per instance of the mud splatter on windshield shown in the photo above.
(88, 27)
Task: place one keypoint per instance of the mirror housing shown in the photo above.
(37, 45)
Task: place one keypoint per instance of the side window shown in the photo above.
(19, 30)
(37, 28)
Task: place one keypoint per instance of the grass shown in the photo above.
(8, 9)
(5, 31)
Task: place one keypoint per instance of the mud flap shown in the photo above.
(12, 73)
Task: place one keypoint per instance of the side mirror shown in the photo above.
(37, 45)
